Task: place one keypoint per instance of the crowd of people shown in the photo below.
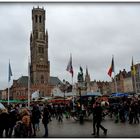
(22, 122)
(19, 121)
(125, 110)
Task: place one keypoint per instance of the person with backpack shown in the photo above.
(20, 130)
(23, 127)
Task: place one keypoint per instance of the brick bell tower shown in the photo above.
(40, 65)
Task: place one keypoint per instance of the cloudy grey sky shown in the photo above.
(92, 32)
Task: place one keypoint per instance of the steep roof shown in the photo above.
(23, 80)
(54, 81)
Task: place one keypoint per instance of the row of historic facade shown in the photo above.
(124, 80)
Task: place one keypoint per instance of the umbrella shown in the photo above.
(2, 106)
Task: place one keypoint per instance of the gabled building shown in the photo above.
(124, 82)
(19, 89)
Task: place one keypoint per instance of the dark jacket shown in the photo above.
(45, 119)
(36, 115)
(4, 120)
(98, 111)
(12, 118)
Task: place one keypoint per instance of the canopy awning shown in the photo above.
(90, 94)
(119, 94)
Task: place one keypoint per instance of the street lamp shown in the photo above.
(80, 87)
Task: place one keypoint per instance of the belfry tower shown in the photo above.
(40, 65)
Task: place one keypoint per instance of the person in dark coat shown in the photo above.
(35, 118)
(98, 118)
(4, 123)
(94, 120)
(45, 120)
(12, 121)
(136, 111)
(131, 112)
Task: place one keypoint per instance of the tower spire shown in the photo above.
(87, 76)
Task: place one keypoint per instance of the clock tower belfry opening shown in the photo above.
(40, 65)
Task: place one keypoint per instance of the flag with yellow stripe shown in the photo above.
(133, 69)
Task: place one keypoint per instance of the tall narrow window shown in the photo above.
(40, 18)
(36, 18)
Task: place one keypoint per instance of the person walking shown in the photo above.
(45, 120)
(35, 118)
(4, 123)
(94, 120)
(98, 118)
(136, 110)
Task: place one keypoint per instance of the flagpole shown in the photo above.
(135, 83)
(133, 72)
(28, 84)
(115, 82)
(9, 78)
(8, 81)
(72, 80)
(115, 77)
(8, 92)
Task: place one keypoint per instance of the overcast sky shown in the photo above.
(92, 32)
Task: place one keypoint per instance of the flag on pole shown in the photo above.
(69, 66)
(139, 70)
(111, 69)
(133, 70)
(9, 73)
(29, 65)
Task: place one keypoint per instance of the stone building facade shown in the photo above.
(40, 65)
(123, 81)
(128, 86)
(136, 82)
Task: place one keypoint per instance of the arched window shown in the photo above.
(36, 18)
(40, 18)
(42, 79)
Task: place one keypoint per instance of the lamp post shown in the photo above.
(64, 90)
(81, 86)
